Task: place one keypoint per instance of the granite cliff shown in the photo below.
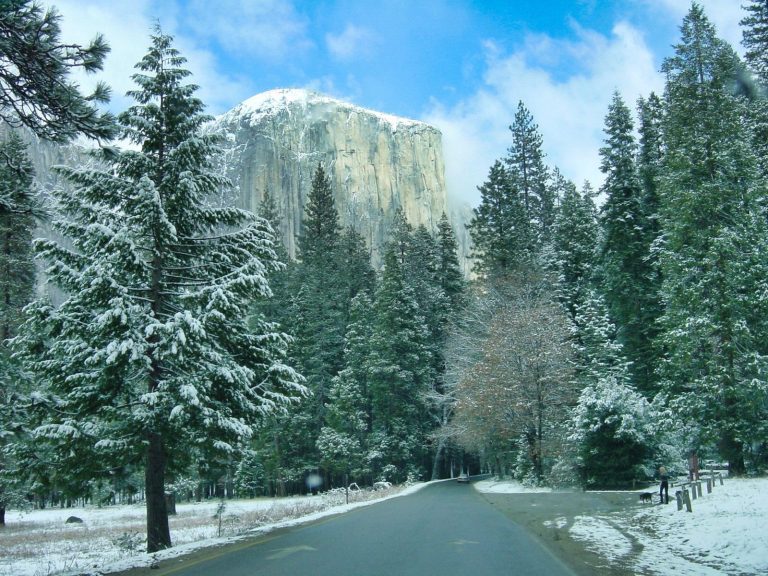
(377, 163)
(274, 141)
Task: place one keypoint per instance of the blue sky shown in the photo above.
(461, 65)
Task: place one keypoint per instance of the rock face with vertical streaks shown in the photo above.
(274, 141)
(377, 163)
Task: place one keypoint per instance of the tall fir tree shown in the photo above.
(150, 358)
(274, 308)
(356, 275)
(17, 282)
(449, 275)
(16, 226)
(650, 162)
(709, 254)
(399, 369)
(268, 210)
(333, 267)
(529, 175)
(755, 40)
(320, 334)
(624, 250)
(500, 229)
(575, 241)
(613, 426)
(320, 228)
(343, 442)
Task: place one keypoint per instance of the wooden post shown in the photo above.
(698, 487)
(721, 478)
(709, 485)
(687, 500)
(679, 497)
(693, 490)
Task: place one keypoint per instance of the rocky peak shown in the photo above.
(378, 163)
(273, 102)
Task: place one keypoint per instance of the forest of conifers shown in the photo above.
(602, 333)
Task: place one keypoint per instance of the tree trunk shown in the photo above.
(170, 503)
(436, 461)
(158, 532)
(733, 450)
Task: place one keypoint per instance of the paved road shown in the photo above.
(444, 529)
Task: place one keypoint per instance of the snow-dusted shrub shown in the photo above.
(389, 471)
(564, 473)
(615, 431)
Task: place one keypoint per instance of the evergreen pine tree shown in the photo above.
(17, 269)
(320, 228)
(574, 246)
(624, 251)
(269, 211)
(613, 425)
(149, 359)
(449, 275)
(755, 40)
(343, 442)
(711, 228)
(333, 267)
(650, 167)
(650, 160)
(398, 373)
(17, 281)
(274, 308)
(500, 229)
(320, 312)
(529, 176)
(356, 274)
(35, 90)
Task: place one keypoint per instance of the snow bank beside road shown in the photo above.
(724, 535)
(110, 539)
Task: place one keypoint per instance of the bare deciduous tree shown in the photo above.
(511, 378)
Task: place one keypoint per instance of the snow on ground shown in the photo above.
(725, 534)
(110, 539)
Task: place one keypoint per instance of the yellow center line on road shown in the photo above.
(229, 549)
(281, 553)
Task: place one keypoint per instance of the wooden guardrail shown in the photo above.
(684, 496)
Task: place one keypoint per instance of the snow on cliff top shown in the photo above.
(273, 101)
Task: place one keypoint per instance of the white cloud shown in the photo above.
(265, 29)
(569, 110)
(351, 43)
(127, 27)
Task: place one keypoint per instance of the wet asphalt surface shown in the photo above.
(445, 529)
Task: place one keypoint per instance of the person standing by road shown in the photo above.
(664, 486)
